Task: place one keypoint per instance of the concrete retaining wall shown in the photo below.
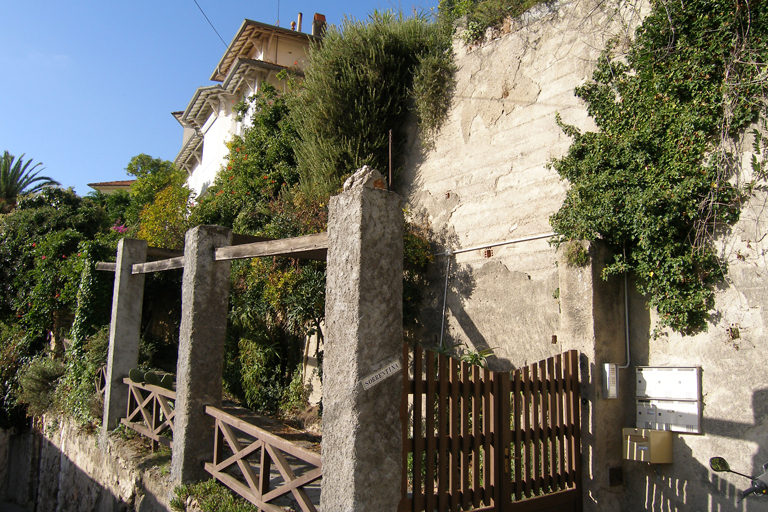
(63, 470)
(486, 180)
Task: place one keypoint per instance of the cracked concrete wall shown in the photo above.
(485, 180)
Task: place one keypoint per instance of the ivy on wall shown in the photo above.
(659, 178)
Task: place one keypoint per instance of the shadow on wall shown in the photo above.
(490, 303)
(461, 284)
(40, 478)
(701, 489)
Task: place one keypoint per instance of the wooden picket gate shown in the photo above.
(476, 440)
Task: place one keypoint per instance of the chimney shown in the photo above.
(298, 24)
(318, 25)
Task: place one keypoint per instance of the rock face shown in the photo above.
(62, 469)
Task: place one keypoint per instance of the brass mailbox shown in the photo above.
(645, 445)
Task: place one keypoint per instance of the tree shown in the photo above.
(152, 176)
(18, 178)
(164, 222)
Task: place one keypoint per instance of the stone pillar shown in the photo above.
(124, 330)
(592, 321)
(204, 303)
(362, 446)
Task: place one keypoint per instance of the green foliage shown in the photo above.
(152, 176)
(48, 248)
(296, 395)
(655, 178)
(38, 256)
(76, 395)
(65, 386)
(211, 497)
(463, 353)
(262, 374)
(575, 254)
(357, 86)
(482, 14)
(38, 382)
(13, 348)
(275, 304)
(417, 254)
(163, 223)
(115, 204)
(260, 164)
(18, 178)
(94, 291)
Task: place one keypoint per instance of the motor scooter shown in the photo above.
(759, 483)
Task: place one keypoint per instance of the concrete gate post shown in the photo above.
(204, 302)
(362, 443)
(124, 330)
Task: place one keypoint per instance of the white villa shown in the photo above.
(256, 54)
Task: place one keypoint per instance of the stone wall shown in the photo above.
(64, 470)
(485, 180)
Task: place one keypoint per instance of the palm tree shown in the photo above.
(17, 179)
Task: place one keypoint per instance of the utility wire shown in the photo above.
(211, 24)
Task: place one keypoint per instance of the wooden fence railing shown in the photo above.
(150, 411)
(481, 440)
(100, 381)
(252, 479)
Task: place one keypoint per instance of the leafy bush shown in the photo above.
(152, 176)
(657, 177)
(163, 223)
(13, 348)
(357, 86)
(38, 382)
(575, 254)
(210, 497)
(296, 395)
(66, 386)
(481, 15)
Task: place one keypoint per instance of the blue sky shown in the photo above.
(89, 84)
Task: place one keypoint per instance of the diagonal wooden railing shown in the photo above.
(252, 480)
(100, 380)
(150, 411)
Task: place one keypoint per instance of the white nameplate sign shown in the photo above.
(386, 372)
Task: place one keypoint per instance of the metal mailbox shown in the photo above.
(645, 445)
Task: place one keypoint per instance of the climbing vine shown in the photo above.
(660, 178)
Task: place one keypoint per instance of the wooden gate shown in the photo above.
(491, 441)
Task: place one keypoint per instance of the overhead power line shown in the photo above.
(211, 24)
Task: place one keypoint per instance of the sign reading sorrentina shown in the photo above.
(386, 372)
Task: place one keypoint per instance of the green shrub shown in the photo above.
(575, 254)
(296, 395)
(211, 497)
(66, 386)
(657, 179)
(481, 15)
(358, 85)
(38, 382)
